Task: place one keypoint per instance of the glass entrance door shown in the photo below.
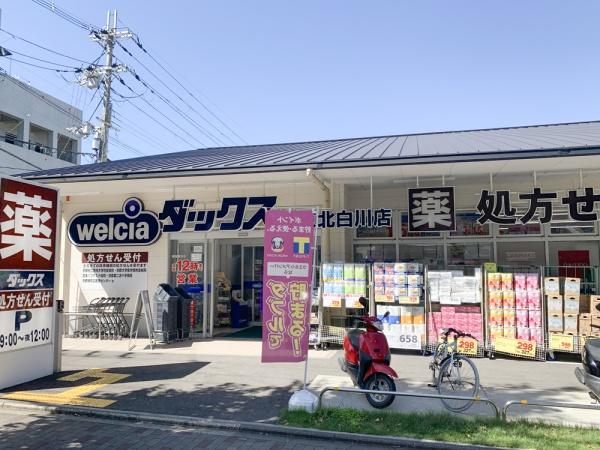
(188, 271)
(252, 272)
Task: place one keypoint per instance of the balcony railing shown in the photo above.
(65, 155)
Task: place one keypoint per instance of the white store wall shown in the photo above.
(295, 194)
(294, 190)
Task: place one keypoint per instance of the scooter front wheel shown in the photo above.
(380, 382)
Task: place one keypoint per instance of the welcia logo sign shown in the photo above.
(132, 226)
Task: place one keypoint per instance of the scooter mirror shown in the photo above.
(364, 303)
(387, 313)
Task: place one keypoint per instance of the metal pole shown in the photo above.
(510, 403)
(312, 285)
(409, 394)
(108, 51)
(371, 185)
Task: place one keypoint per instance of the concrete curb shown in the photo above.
(232, 425)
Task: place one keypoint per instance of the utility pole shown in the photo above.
(106, 38)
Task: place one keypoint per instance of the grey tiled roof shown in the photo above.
(401, 149)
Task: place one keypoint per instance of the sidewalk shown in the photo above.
(41, 430)
(224, 379)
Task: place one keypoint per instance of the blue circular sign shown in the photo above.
(132, 207)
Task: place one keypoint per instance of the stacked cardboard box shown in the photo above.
(564, 306)
(593, 323)
(402, 320)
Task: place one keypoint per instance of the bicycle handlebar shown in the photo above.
(457, 333)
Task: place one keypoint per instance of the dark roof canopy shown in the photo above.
(452, 146)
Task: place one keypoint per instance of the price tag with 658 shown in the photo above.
(411, 341)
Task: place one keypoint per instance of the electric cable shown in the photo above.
(174, 92)
(36, 94)
(126, 129)
(132, 126)
(156, 121)
(69, 17)
(191, 94)
(42, 47)
(43, 60)
(43, 67)
(127, 146)
(202, 130)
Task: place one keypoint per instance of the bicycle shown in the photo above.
(456, 373)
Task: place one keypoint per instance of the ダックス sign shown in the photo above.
(28, 228)
(287, 285)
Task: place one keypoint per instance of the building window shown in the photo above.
(522, 254)
(375, 233)
(563, 225)
(415, 234)
(467, 225)
(469, 254)
(374, 252)
(425, 253)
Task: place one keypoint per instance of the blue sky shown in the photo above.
(283, 71)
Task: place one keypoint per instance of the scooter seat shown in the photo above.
(353, 336)
(593, 348)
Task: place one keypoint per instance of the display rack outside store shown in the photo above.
(399, 289)
(455, 299)
(573, 307)
(506, 308)
(515, 312)
(342, 284)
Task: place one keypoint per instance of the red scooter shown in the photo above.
(367, 359)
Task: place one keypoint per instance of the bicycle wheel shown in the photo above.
(458, 377)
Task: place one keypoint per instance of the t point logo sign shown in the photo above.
(131, 226)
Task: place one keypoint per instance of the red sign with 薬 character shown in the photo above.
(287, 285)
(28, 227)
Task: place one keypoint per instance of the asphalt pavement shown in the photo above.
(224, 379)
(39, 430)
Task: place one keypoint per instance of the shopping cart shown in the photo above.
(104, 317)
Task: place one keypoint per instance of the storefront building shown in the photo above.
(525, 196)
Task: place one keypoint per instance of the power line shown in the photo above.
(39, 96)
(200, 128)
(69, 17)
(128, 147)
(133, 132)
(191, 94)
(133, 127)
(42, 47)
(96, 108)
(43, 67)
(174, 92)
(156, 121)
(43, 60)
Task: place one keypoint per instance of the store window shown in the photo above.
(467, 225)
(425, 253)
(518, 229)
(524, 254)
(374, 252)
(415, 234)
(563, 225)
(469, 254)
(186, 268)
(374, 233)
(573, 253)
